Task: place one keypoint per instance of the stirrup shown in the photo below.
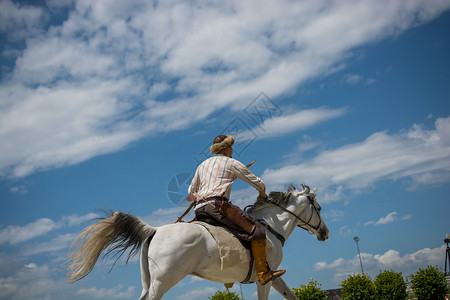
(269, 276)
(229, 285)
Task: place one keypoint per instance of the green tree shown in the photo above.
(390, 286)
(429, 283)
(310, 291)
(227, 295)
(358, 287)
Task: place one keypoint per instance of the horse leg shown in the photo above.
(263, 291)
(163, 278)
(174, 252)
(283, 289)
(145, 271)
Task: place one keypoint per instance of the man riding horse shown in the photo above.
(211, 188)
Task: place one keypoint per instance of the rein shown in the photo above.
(297, 217)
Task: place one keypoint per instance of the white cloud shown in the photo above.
(333, 214)
(292, 122)
(244, 196)
(20, 21)
(345, 231)
(323, 265)
(307, 145)
(75, 219)
(16, 234)
(391, 217)
(36, 282)
(332, 193)
(194, 279)
(369, 81)
(61, 132)
(352, 78)
(410, 154)
(198, 293)
(33, 282)
(96, 82)
(113, 293)
(21, 189)
(165, 216)
(61, 242)
(391, 259)
(407, 217)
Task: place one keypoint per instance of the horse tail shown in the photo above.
(116, 232)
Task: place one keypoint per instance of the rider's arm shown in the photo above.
(262, 194)
(243, 173)
(194, 187)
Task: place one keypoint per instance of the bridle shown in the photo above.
(313, 209)
(279, 236)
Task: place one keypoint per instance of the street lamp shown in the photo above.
(356, 239)
(447, 253)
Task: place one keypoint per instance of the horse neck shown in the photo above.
(281, 221)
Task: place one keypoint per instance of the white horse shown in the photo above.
(171, 252)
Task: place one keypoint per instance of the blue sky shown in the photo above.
(105, 104)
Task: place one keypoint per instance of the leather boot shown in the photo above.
(259, 254)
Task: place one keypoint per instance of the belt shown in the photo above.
(210, 200)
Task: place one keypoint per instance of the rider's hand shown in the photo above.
(191, 198)
(262, 194)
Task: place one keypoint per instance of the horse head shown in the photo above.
(302, 207)
(309, 210)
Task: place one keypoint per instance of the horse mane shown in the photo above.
(280, 198)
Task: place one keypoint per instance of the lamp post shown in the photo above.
(447, 254)
(356, 239)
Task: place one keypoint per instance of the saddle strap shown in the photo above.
(250, 270)
(277, 235)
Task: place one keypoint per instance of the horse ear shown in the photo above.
(291, 189)
(305, 188)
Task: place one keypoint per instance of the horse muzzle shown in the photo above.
(323, 234)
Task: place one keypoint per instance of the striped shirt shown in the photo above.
(215, 176)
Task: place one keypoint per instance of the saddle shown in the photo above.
(202, 217)
(232, 250)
